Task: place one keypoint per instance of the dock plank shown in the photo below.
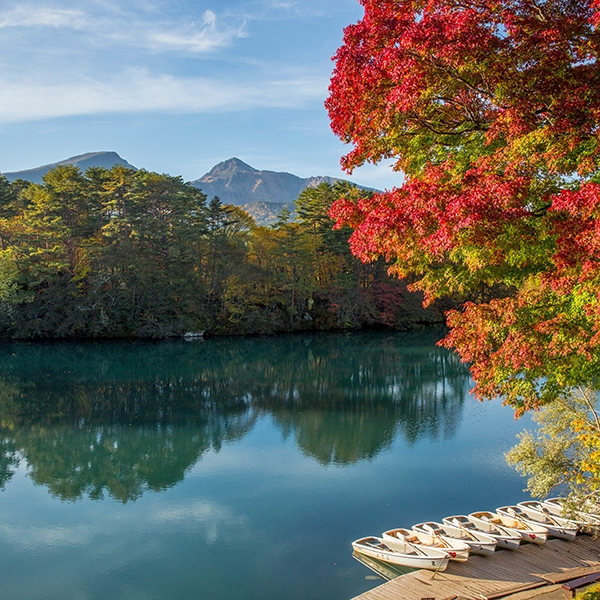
(569, 574)
(495, 576)
(515, 590)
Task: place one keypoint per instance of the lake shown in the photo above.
(233, 468)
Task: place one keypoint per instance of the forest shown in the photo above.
(134, 254)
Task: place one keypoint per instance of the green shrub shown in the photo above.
(590, 593)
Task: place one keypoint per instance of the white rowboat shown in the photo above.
(505, 538)
(534, 534)
(403, 554)
(588, 522)
(457, 551)
(534, 511)
(479, 543)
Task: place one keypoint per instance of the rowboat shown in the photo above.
(505, 538)
(534, 534)
(588, 521)
(403, 553)
(456, 550)
(532, 511)
(479, 543)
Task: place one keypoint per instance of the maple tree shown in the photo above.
(491, 110)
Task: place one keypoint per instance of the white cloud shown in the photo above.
(209, 515)
(195, 40)
(34, 537)
(138, 91)
(202, 512)
(129, 28)
(206, 516)
(40, 16)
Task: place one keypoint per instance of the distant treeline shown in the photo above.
(123, 253)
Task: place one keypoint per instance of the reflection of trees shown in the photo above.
(90, 420)
(348, 400)
(340, 437)
(124, 418)
(8, 459)
(120, 460)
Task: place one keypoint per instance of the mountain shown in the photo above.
(236, 182)
(83, 161)
(262, 194)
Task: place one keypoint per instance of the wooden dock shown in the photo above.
(505, 573)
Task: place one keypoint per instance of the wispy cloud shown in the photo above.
(110, 57)
(139, 91)
(208, 515)
(52, 537)
(41, 16)
(131, 28)
(196, 39)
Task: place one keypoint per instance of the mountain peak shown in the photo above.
(236, 182)
(227, 169)
(102, 155)
(238, 164)
(83, 161)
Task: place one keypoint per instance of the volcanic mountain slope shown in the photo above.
(83, 161)
(236, 182)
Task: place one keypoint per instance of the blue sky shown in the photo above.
(174, 86)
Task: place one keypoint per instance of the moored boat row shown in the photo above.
(534, 513)
(431, 545)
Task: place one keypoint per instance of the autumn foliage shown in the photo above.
(491, 111)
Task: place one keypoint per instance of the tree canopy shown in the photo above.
(490, 109)
(124, 253)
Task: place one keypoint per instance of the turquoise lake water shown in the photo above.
(233, 468)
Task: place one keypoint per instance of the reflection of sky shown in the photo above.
(257, 519)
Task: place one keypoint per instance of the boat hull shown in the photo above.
(432, 561)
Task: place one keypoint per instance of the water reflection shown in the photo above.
(9, 460)
(120, 419)
(384, 570)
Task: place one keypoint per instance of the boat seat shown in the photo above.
(376, 544)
